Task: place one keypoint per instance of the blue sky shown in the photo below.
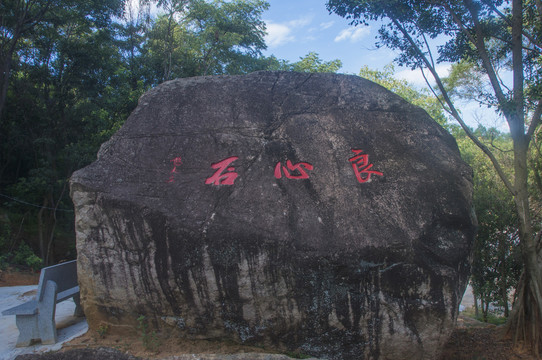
(296, 27)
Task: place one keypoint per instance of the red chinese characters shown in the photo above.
(176, 163)
(224, 175)
(290, 168)
(361, 166)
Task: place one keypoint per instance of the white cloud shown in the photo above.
(282, 33)
(278, 34)
(302, 21)
(353, 34)
(326, 25)
(415, 77)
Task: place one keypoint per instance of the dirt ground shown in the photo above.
(471, 339)
(13, 277)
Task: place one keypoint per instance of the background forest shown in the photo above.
(71, 71)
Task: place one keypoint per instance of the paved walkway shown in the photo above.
(68, 326)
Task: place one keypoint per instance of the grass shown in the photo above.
(150, 339)
(492, 317)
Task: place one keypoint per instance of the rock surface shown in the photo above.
(80, 354)
(317, 213)
(114, 354)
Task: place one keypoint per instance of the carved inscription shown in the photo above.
(225, 173)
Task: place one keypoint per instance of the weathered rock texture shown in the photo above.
(299, 256)
(114, 354)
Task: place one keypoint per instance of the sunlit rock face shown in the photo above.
(317, 213)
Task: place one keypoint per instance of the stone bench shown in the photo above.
(35, 319)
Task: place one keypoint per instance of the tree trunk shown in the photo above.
(485, 310)
(54, 220)
(525, 320)
(50, 259)
(41, 230)
(505, 302)
(476, 313)
(502, 268)
(5, 69)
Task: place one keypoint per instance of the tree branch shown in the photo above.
(517, 120)
(435, 93)
(482, 51)
(535, 120)
(507, 20)
(452, 108)
(428, 49)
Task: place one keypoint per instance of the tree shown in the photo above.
(131, 34)
(230, 35)
(421, 98)
(58, 106)
(497, 36)
(496, 264)
(312, 63)
(200, 37)
(166, 52)
(172, 23)
(17, 18)
(77, 74)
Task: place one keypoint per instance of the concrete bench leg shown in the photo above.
(28, 329)
(46, 315)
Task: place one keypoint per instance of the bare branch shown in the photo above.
(444, 107)
(503, 84)
(498, 148)
(428, 49)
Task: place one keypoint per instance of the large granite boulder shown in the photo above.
(317, 213)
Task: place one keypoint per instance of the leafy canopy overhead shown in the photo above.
(475, 31)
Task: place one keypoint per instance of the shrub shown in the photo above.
(25, 256)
